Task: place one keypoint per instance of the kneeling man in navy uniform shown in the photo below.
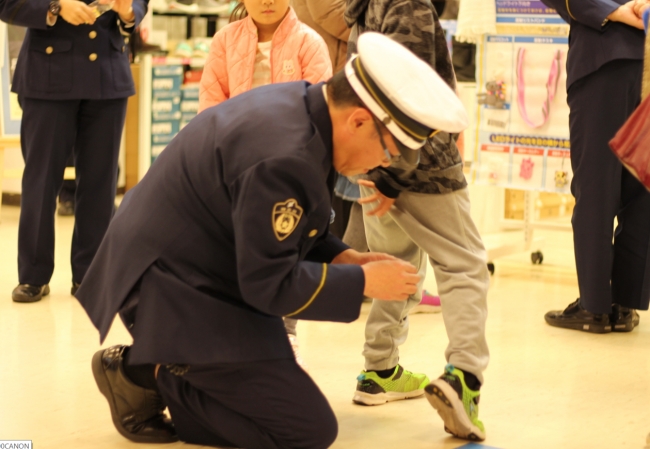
(228, 232)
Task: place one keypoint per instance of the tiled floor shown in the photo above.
(545, 387)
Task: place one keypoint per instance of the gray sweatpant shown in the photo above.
(290, 325)
(441, 227)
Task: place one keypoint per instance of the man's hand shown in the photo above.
(385, 203)
(76, 13)
(640, 6)
(390, 280)
(626, 14)
(125, 10)
(353, 257)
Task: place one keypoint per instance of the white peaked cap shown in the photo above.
(403, 91)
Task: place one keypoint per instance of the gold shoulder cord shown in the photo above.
(320, 287)
(569, 10)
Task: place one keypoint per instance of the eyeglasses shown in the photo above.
(389, 157)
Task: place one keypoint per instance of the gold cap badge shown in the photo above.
(286, 216)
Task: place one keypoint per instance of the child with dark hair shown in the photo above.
(264, 43)
(423, 210)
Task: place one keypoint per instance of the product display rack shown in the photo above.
(212, 17)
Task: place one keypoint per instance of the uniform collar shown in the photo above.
(320, 117)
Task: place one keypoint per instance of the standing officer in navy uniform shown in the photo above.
(604, 68)
(228, 232)
(72, 79)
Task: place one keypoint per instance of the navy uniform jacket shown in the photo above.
(68, 62)
(592, 45)
(228, 231)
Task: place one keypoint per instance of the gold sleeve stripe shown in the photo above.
(320, 287)
(569, 10)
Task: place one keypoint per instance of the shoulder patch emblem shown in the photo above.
(285, 218)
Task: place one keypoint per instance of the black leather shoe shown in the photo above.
(30, 293)
(65, 209)
(575, 317)
(137, 412)
(623, 319)
(75, 287)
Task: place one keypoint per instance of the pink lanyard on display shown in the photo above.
(551, 87)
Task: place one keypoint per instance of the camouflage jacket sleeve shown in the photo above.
(440, 170)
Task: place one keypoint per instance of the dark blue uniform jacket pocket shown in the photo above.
(50, 65)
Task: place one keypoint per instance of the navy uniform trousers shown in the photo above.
(260, 404)
(253, 405)
(610, 270)
(50, 130)
(72, 83)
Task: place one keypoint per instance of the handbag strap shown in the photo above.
(645, 84)
(551, 87)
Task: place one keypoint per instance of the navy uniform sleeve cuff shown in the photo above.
(591, 13)
(126, 28)
(139, 11)
(340, 298)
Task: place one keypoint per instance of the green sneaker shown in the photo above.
(403, 384)
(456, 404)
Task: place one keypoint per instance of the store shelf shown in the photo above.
(175, 60)
(222, 11)
(212, 15)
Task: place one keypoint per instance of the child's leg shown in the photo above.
(388, 323)
(355, 234)
(290, 325)
(442, 226)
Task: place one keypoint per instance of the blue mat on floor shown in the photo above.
(476, 446)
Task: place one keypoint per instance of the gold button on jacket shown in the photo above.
(49, 50)
(92, 56)
(92, 34)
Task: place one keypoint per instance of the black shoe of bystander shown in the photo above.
(65, 209)
(30, 293)
(578, 318)
(623, 319)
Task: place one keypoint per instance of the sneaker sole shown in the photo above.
(592, 328)
(105, 388)
(444, 399)
(363, 398)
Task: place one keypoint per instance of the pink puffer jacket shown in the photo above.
(297, 53)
